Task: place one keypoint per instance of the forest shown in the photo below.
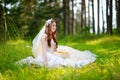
(82, 24)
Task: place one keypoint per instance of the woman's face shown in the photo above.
(53, 27)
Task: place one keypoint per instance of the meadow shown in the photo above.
(106, 66)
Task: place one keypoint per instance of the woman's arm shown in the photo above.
(44, 49)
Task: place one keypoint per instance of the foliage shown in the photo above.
(25, 17)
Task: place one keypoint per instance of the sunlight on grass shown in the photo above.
(106, 66)
(103, 51)
(15, 42)
(104, 39)
(1, 77)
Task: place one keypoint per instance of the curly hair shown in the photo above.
(50, 34)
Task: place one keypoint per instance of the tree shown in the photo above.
(98, 2)
(109, 16)
(83, 15)
(84, 4)
(43, 11)
(2, 30)
(118, 15)
(73, 27)
(28, 10)
(4, 18)
(103, 27)
(82, 10)
(89, 13)
(66, 14)
(93, 19)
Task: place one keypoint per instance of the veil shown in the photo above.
(37, 46)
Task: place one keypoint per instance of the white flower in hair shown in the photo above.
(48, 21)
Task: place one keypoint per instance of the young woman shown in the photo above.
(47, 52)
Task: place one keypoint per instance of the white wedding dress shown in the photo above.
(64, 56)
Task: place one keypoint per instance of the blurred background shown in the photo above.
(24, 18)
(82, 24)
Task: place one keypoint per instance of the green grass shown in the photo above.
(106, 66)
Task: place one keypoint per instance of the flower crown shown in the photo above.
(48, 22)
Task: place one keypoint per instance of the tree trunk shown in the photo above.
(111, 2)
(57, 18)
(84, 12)
(68, 16)
(118, 15)
(93, 17)
(88, 13)
(65, 17)
(81, 16)
(58, 23)
(98, 18)
(103, 27)
(73, 27)
(4, 17)
(109, 16)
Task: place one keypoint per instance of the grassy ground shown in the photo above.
(106, 67)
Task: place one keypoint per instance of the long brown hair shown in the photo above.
(50, 34)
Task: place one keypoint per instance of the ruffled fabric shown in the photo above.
(65, 56)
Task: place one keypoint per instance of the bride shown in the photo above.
(48, 53)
